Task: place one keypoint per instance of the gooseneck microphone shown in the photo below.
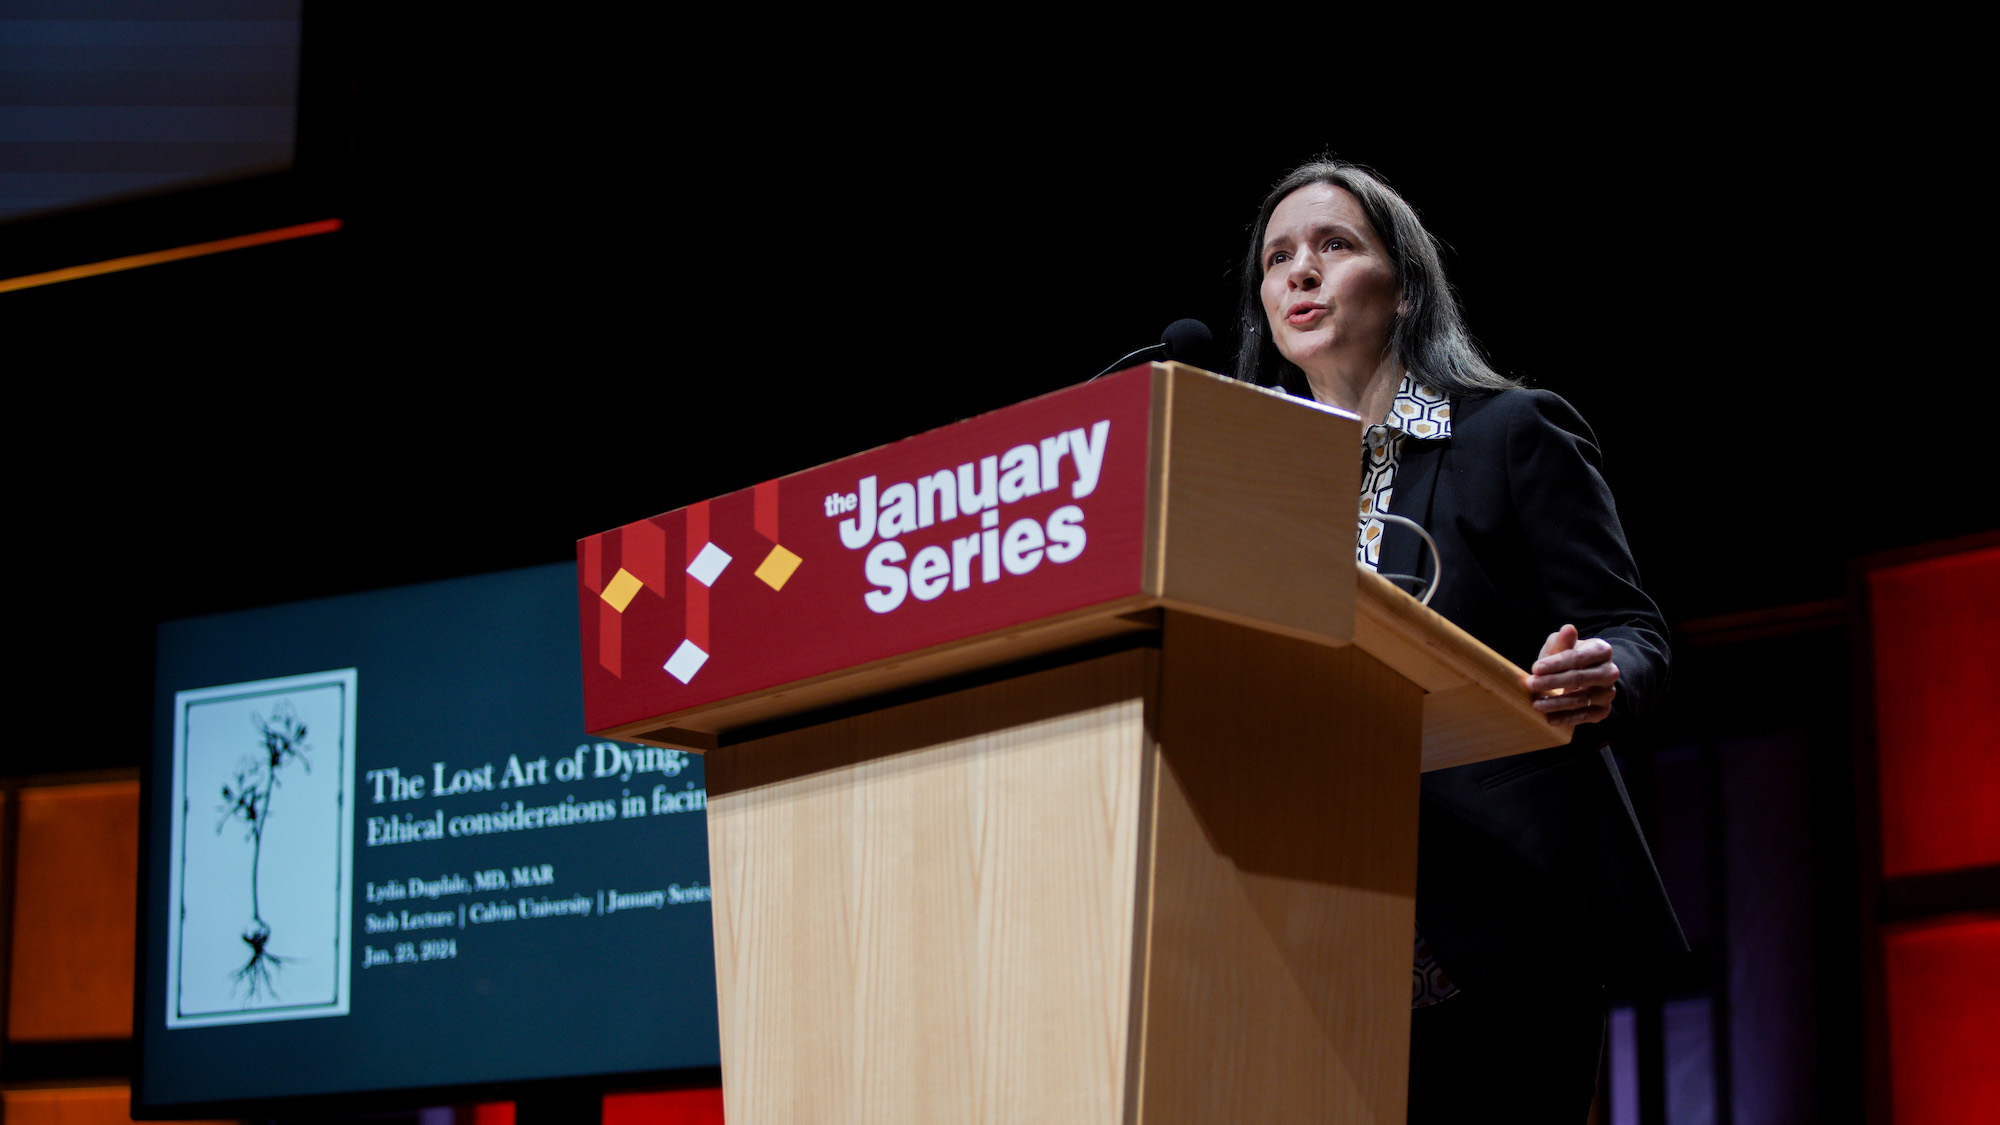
(1185, 341)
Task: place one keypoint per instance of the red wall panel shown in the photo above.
(666, 1107)
(672, 1107)
(1944, 1021)
(1936, 627)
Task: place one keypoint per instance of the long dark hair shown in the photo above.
(1429, 339)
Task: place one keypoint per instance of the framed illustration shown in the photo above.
(262, 850)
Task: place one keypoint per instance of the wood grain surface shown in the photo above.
(1158, 886)
(1476, 701)
(942, 930)
(1256, 507)
(1283, 882)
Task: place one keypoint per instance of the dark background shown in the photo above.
(593, 269)
(581, 282)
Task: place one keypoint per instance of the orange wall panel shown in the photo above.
(1944, 1037)
(76, 871)
(88, 1105)
(1936, 628)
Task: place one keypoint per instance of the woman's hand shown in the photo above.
(1573, 681)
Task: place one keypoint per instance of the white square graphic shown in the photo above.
(686, 661)
(260, 882)
(707, 566)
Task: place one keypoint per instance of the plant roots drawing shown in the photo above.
(248, 799)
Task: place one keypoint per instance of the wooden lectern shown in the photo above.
(1062, 766)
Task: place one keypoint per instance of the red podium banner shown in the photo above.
(1027, 512)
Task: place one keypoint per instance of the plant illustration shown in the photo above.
(248, 799)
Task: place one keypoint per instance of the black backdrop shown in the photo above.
(583, 281)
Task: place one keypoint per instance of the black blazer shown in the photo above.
(1532, 868)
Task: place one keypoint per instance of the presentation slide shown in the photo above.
(383, 855)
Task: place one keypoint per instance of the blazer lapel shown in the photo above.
(1415, 486)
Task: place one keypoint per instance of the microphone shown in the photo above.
(1185, 341)
(1189, 341)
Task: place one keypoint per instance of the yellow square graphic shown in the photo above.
(777, 567)
(621, 589)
